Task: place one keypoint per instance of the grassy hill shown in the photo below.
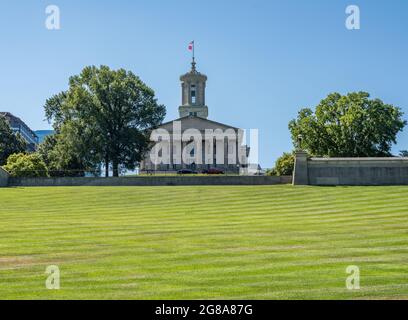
(255, 242)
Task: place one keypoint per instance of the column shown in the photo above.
(300, 172)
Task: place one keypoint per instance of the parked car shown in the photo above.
(213, 171)
(186, 171)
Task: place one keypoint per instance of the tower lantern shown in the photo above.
(193, 93)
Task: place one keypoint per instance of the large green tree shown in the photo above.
(62, 159)
(9, 142)
(105, 116)
(348, 126)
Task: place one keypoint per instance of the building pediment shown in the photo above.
(191, 122)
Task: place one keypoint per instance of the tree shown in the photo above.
(9, 142)
(284, 165)
(26, 165)
(105, 116)
(60, 160)
(348, 126)
(403, 153)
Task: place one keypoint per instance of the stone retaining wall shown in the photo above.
(350, 171)
(149, 181)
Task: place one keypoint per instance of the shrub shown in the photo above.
(26, 165)
(284, 165)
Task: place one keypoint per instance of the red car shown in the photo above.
(213, 171)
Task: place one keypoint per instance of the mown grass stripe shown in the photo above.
(203, 242)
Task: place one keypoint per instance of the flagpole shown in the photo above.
(192, 49)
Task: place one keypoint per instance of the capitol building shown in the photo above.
(193, 141)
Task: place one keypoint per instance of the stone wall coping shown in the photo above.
(360, 159)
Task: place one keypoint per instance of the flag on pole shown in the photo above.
(191, 46)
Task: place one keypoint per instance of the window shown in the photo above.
(193, 94)
(192, 152)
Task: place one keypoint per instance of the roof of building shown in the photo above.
(193, 73)
(199, 118)
(17, 119)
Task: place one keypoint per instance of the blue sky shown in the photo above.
(264, 59)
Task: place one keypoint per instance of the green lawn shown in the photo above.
(255, 242)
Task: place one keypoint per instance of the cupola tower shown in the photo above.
(193, 94)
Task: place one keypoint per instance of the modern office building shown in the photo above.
(41, 134)
(19, 126)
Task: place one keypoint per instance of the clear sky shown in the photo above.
(264, 59)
